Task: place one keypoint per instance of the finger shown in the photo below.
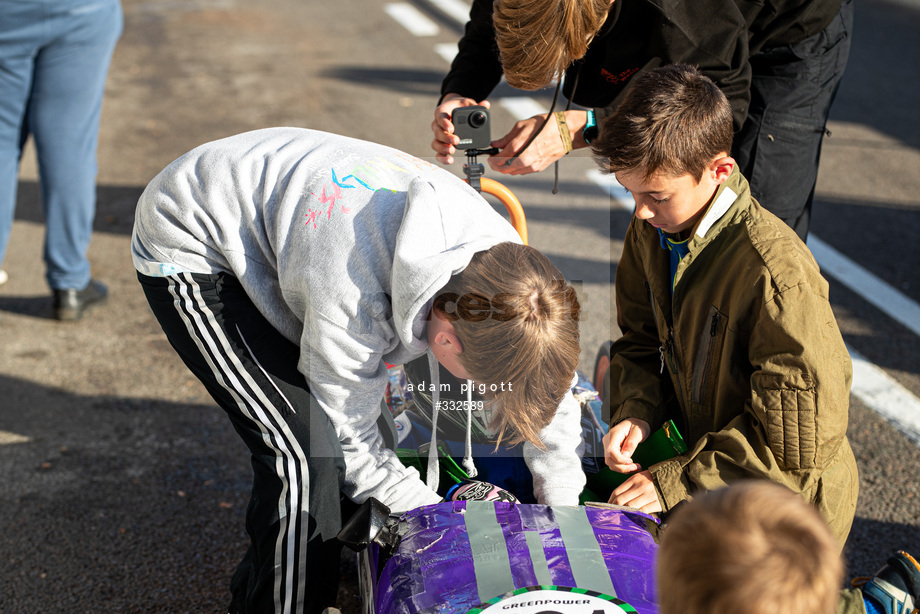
(441, 148)
(502, 162)
(630, 494)
(631, 441)
(621, 467)
(613, 449)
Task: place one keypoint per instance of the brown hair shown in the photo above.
(754, 547)
(538, 39)
(517, 320)
(673, 120)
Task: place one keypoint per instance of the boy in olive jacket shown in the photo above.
(726, 323)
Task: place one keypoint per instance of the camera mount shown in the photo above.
(473, 169)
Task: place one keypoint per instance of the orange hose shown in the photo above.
(511, 202)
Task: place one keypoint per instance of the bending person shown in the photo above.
(287, 267)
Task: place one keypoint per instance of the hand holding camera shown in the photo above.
(445, 139)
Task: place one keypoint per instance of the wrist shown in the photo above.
(590, 131)
(564, 132)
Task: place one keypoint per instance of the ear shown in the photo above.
(722, 167)
(449, 340)
(444, 334)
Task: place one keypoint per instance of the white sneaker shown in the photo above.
(3, 277)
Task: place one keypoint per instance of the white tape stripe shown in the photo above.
(893, 303)
(274, 437)
(874, 387)
(457, 10)
(411, 19)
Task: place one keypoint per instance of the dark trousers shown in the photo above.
(250, 369)
(792, 90)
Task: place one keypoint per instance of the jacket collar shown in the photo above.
(720, 211)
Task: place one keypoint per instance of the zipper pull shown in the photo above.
(661, 352)
(715, 324)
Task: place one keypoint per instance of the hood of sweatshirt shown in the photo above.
(342, 245)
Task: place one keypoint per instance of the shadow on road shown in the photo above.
(114, 206)
(135, 503)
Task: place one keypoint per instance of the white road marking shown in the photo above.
(457, 10)
(7, 437)
(874, 387)
(412, 19)
(889, 300)
(521, 107)
(447, 51)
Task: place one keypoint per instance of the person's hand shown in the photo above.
(620, 442)
(545, 149)
(479, 491)
(639, 492)
(445, 141)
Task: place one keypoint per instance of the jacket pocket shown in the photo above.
(707, 354)
(791, 429)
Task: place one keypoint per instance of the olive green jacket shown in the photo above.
(746, 358)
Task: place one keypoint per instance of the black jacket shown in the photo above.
(717, 36)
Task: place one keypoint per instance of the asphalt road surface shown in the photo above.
(122, 487)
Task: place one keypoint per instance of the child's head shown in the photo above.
(515, 321)
(668, 143)
(538, 39)
(754, 547)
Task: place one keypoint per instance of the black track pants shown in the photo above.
(251, 371)
(792, 90)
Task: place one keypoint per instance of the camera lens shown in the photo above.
(477, 119)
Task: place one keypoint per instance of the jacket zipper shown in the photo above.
(704, 357)
(668, 350)
(674, 364)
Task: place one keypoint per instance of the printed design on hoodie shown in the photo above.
(365, 175)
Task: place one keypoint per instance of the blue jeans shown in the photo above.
(792, 89)
(54, 57)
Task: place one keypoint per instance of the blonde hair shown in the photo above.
(754, 547)
(538, 39)
(674, 120)
(517, 320)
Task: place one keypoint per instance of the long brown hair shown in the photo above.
(538, 39)
(517, 320)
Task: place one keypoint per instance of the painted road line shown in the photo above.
(411, 19)
(457, 10)
(521, 107)
(6, 437)
(874, 387)
(609, 184)
(447, 51)
(895, 304)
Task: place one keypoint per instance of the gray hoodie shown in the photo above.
(342, 245)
